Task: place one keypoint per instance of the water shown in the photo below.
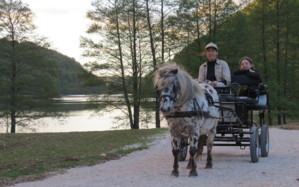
(79, 119)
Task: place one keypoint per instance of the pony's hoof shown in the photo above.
(175, 173)
(193, 173)
(208, 166)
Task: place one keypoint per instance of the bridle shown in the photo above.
(172, 97)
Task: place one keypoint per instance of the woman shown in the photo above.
(246, 68)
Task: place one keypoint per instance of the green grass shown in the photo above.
(34, 155)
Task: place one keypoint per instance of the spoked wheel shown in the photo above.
(183, 149)
(264, 141)
(254, 144)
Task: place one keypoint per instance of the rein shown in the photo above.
(196, 112)
(188, 114)
(170, 97)
(199, 113)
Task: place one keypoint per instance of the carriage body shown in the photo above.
(242, 121)
(242, 118)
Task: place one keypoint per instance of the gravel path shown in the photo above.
(152, 167)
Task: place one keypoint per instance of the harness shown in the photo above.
(209, 98)
(172, 98)
(197, 112)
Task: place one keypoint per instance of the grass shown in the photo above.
(34, 155)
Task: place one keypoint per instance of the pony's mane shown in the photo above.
(187, 86)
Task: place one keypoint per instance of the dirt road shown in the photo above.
(152, 167)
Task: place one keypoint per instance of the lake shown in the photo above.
(81, 118)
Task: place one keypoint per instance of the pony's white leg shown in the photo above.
(193, 150)
(175, 143)
(210, 142)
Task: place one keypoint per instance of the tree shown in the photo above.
(286, 13)
(123, 52)
(25, 83)
(267, 31)
(200, 22)
(155, 63)
(275, 29)
(214, 12)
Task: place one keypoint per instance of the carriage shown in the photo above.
(199, 115)
(242, 121)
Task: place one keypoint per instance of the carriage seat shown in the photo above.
(244, 80)
(256, 98)
(225, 94)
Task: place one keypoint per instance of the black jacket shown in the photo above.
(255, 75)
(249, 90)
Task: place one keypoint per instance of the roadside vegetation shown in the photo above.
(35, 155)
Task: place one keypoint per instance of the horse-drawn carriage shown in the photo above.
(237, 124)
(199, 115)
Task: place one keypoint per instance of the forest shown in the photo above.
(137, 36)
(266, 31)
(127, 40)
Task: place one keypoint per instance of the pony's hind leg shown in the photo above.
(210, 141)
(175, 151)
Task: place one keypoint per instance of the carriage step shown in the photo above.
(234, 138)
(233, 132)
(238, 145)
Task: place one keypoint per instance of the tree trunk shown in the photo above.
(162, 31)
(125, 91)
(135, 72)
(13, 90)
(210, 20)
(13, 121)
(157, 104)
(215, 19)
(285, 68)
(265, 61)
(188, 48)
(198, 27)
(279, 121)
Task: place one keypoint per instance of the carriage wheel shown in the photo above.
(183, 149)
(254, 144)
(264, 141)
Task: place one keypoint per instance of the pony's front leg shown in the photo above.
(175, 151)
(201, 143)
(210, 142)
(193, 150)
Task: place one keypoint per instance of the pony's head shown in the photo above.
(174, 85)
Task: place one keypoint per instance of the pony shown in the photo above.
(190, 110)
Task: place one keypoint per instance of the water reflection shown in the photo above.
(81, 117)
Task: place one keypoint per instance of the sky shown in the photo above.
(62, 22)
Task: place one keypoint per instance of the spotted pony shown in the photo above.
(180, 94)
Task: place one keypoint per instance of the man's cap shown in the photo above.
(211, 45)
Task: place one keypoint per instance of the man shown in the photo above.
(214, 71)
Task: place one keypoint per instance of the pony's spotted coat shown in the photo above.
(180, 93)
